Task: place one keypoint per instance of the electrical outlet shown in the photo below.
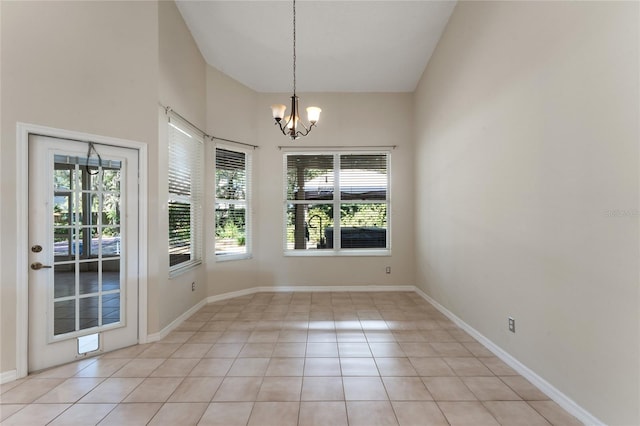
(512, 325)
(388, 269)
(193, 286)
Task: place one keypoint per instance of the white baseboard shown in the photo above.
(560, 398)
(175, 323)
(8, 376)
(231, 295)
(308, 289)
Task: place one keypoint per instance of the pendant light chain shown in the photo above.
(294, 47)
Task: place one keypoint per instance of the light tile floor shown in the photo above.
(361, 358)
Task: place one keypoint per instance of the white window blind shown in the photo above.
(232, 209)
(337, 203)
(185, 174)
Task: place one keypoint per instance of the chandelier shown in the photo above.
(292, 125)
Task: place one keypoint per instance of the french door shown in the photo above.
(83, 242)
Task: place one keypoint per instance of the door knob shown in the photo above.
(37, 265)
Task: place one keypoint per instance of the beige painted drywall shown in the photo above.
(527, 189)
(182, 86)
(231, 114)
(182, 69)
(236, 112)
(83, 66)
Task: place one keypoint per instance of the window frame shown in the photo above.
(337, 201)
(247, 202)
(196, 198)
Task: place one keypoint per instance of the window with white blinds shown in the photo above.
(337, 203)
(185, 174)
(232, 209)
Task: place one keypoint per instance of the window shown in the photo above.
(337, 203)
(232, 210)
(186, 153)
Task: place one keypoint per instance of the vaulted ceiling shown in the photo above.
(342, 46)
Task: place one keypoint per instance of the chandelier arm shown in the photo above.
(306, 132)
(282, 129)
(305, 127)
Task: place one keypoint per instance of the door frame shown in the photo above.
(23, 130)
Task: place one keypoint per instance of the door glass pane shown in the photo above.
(110, 308)
(64, 280)
(89, 242)
(64, 317)
(111, 209)
(111, 180)
(61, 205)
(111, 241)
(62, 242)
(88, 278)
(88, 312)
(62, 177)
(110, 275)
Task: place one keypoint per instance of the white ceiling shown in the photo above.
(342, 46)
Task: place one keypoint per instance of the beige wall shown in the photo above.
(231, 114)
(83, 66)
(182, 70)
(238, 113)
(348, 119)
(527, 139)
(182, 86)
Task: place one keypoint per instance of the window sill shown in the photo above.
(230, 257)
(177, 270)
(338, 253)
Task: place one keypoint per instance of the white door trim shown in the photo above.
(22, 244)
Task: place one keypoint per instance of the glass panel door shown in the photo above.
(83, 217)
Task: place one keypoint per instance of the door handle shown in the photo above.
(37, 265)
